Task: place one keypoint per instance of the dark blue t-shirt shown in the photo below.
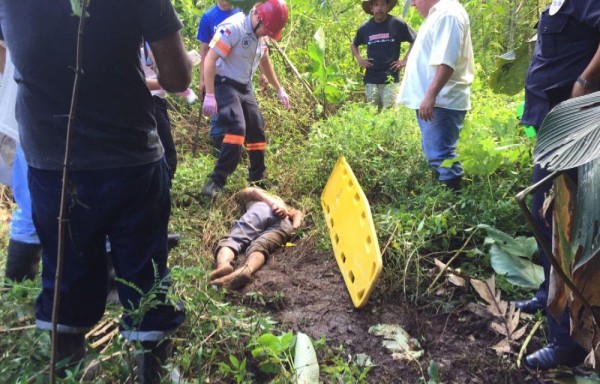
(566, 43)
(115, 126)
(383, 46)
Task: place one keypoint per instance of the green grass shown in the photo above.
(415, 218)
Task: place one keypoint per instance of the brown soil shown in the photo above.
(305, 292)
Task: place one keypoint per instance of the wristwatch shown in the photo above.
(585, 83)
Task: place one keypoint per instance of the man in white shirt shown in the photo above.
(436, 84)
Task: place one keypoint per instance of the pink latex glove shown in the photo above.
(209, 106)
(284, 98)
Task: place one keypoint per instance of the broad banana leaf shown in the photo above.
(587, 221)
(563, 244)
(576, 245)
(582, 326)
(570, 134)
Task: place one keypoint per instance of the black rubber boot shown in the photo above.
(173, 240)
(70, 351)
(211, 189)
(22, 261)
(150, 361)
(455, 185)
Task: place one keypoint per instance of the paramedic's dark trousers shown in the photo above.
(240, 117)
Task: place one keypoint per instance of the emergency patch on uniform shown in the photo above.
(225, 32)
(246, 42)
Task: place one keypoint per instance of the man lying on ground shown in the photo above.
(266, 225)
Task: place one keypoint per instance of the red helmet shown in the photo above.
(273, 14)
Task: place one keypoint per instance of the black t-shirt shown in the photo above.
(383, 46)
(114, 125)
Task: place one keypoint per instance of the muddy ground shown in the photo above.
(305, 292)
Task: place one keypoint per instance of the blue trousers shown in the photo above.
(129, 206)
(21, 225)
(439, 138)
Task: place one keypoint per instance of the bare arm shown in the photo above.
(443, 73)
(174, 66)
(278, 207)
(364, 63)
(2, 58)
(399, 64)
(204, 48)
(257, 194)
(209, 70)
(590, 73)
(266, 68)
(153, 84)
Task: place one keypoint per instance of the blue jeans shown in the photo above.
(215, 129)
(130, 206)
(21, 225)
(439, 138)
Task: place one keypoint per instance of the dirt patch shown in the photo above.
(305, 292)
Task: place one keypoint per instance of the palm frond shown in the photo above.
(570, 134)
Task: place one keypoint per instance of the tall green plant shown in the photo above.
(326, 78)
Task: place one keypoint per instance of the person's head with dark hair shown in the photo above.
(378, 8)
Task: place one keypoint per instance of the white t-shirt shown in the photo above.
(8, 97)
(9, 132)
(444, 38)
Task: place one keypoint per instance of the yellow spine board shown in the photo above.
(352, 232)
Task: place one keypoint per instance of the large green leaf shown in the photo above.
(315, 53)
(320, 40)
(587, 218)
(519, 246)
(517, 270)
(511, 68)
(570, 134)
(511, 257)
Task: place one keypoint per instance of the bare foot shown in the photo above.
(235, 280)
(240, 281)
(221, 270)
